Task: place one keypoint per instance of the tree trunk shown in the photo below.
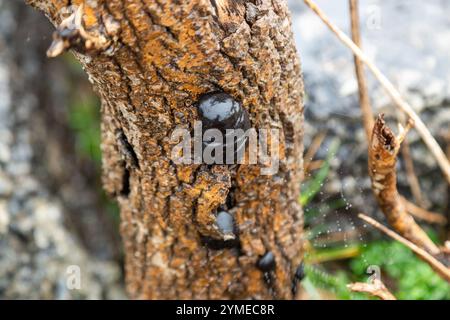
(150, 61)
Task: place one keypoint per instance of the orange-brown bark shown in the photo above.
(150, 61)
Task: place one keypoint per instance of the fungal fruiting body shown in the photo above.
(267, 262)
(221, 112)
(298, 276)
(300, 272)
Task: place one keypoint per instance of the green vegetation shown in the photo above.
(84, 119)
(406, 275)
(312, 187)
(413, 278)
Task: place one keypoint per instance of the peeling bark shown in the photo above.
(383, 150)
(155, 60)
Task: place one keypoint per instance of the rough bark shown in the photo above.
(150, 61)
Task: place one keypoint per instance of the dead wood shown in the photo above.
(383, 151)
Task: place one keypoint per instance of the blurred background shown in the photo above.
(54, 214)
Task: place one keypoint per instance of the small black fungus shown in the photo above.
(300, 272)
(267, 262)
(298, 276)
(220, 111)
(230, 201)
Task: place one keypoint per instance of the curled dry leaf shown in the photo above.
(383, 150)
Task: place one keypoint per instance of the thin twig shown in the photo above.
(364, 101)
(383, 150)
(390, 89)
(413, 181)
(368, 121)
(375, 288)
(313, 165)
(411, 176)
(313, 148)
(437, 266)
(425, 215)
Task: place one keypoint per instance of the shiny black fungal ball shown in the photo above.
(221, 111)
(267, 262)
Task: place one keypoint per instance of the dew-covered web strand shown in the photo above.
(345, 219)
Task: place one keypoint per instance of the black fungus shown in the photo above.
(220, 111)
(300, 272)
(267, 262)
(298, 276)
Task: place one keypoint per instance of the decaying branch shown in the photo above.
(375, 288)
(383, 150)
(421, 128)
(434, 263)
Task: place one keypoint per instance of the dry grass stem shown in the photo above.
(364, 101)
(313, 148)
(313, 165)
(413, 181)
